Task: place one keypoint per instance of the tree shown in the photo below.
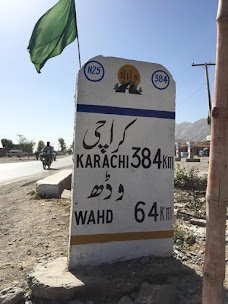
(62, 144)
(72, 146)
(69, 150)
(40, 146)
(26, 145)
(7, 143)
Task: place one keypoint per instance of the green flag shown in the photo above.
(53, 32)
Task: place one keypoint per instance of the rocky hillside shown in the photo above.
(196, 131)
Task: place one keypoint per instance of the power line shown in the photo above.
(193, 93)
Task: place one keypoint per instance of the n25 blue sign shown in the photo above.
(94, 71)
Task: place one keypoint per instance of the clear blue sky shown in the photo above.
(173, 33)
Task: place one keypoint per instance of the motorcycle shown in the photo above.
(46, 159)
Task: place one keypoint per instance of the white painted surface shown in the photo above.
(97, 254)
(177, 150)
(53, 186)
(150, 188)
(190, 149)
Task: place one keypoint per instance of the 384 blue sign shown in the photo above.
(160, 79)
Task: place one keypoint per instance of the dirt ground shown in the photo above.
(31, 230)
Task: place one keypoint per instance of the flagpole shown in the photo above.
(79, 54)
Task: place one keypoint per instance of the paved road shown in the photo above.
(15, 171)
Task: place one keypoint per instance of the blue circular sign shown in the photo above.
(94, 71)
(160, 79)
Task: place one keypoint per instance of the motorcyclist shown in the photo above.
(49, 151)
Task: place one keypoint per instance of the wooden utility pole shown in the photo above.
(206, 65)
(217, 188)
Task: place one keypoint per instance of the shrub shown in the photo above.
(189, 180)
(178, 235)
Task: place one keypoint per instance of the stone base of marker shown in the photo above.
(192, 160)
(51, 280)
(11, 295)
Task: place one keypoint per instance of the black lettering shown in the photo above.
(122, 161)
(127, 162)
(79, 161)
(164, 161)
(105, 162)
(88, 161)
(100, 216)
(96, 191)
(80, 217)
(107, 176)
(153, 212)
(157, 158)
(91, 218)
(103, 216)
(146, 161)
(170, 162)
(168, 213)
(135, 155)
(112, 157)
(97, 161)
(108, 187)
(162, 218)
(109, 216)
(121, 191)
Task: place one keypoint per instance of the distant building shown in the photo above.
(198, 148)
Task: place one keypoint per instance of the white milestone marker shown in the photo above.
(123, 178)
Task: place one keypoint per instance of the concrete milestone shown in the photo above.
(122, 203)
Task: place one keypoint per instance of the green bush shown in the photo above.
(189, 180)
(178, 235)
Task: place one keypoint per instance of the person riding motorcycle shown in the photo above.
(49, 151)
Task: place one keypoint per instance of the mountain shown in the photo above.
(193, 131)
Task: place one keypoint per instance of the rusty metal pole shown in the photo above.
(217, 189)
